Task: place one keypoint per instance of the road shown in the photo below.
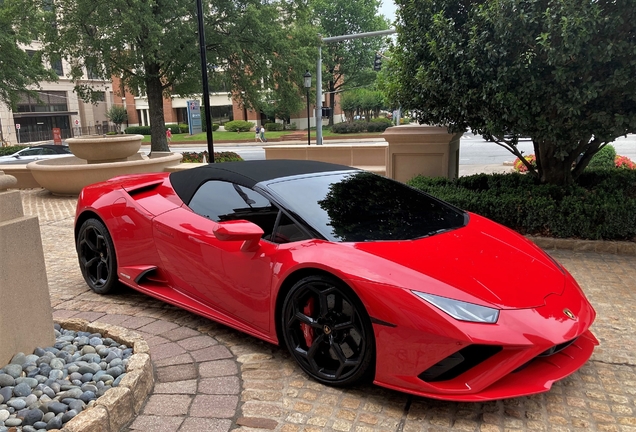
(474, 150)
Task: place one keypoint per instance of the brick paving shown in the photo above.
(212, 378)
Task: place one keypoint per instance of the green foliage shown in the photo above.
(601, 206)
(142, 130)
(117, 114)
(20, 23)
(153, 47)
(238, 126)
(379, 124)
(184, 128)
(204, 128)
(174, 128)
(189, 157)
(365, 102)
(273, 126)
(560, 72)
(348, 64)
(145, 130)
(9, 150)
(355, 127)
(604, 159)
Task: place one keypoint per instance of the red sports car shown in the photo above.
(360, 276)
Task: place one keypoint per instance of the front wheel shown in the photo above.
(96, 254)
(328, 331)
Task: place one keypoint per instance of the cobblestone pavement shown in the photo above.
(212, 378)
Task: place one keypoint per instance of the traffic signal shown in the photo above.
(377, 62)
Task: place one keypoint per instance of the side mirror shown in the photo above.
(239, 230)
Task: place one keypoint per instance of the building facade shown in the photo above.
(57, 106)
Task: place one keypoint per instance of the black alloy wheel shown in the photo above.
(96, 255)
(328, 331)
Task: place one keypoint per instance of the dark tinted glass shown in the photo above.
(224, 201)
(360, 206)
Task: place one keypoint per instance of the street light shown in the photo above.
(307, 78)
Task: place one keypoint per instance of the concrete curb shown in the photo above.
(600, 246)
(121, 404)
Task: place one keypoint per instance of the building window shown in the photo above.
(45, 101)
(56, 65)
(92, 71)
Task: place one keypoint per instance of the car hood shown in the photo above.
(483, 259)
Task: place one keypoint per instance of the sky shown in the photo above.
(388, 9)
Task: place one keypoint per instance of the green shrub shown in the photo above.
(290, 126)
(142, 130)
(604, 159)
(273, 126)
(174, 128)
(215, 126)
(379, 124)
(189, 157)
(382, 120)
(111, 133)
(238, 126)
(355, 127)
(9, 150)
(184, 128)
(602, 205)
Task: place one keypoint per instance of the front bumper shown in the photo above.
(515, 358)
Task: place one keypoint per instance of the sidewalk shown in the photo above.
(212, 378)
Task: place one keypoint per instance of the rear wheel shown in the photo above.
(328, 331)
(96, 255)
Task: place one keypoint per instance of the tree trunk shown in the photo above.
(154, 91)
(551, 169)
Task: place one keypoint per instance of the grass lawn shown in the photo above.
(242, 136)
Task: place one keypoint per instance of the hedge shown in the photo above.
(145, 130)
(273, 126)
(379, 124)
(218, 157)
(238, 126)
(602, 205)
(9, 150)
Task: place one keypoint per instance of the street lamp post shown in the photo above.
(307, 78)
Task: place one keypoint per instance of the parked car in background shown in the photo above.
(30, 154)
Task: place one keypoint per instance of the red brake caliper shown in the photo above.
(308, 332)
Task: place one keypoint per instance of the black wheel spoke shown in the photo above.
(334, 351)
(96, 256)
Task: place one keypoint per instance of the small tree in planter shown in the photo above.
(117, 114)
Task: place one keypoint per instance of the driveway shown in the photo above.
(213, 378)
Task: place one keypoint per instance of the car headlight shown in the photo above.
(460, 310)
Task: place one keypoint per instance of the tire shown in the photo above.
(96, 254)
(328, 332)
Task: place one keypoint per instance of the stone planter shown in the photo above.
(108, 148)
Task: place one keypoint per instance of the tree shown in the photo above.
(153, 47)
(20, 71)
(117, 114)
(348, 64)
(559, 71)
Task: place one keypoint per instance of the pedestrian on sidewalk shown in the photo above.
(257, 137)
(169, 135)
(263, 139)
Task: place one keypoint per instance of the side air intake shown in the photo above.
(459, 362)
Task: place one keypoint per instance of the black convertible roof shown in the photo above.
(247, 173)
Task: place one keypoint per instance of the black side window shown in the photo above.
(224, 201)
(287, 231)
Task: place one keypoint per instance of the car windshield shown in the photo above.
(361, 206)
